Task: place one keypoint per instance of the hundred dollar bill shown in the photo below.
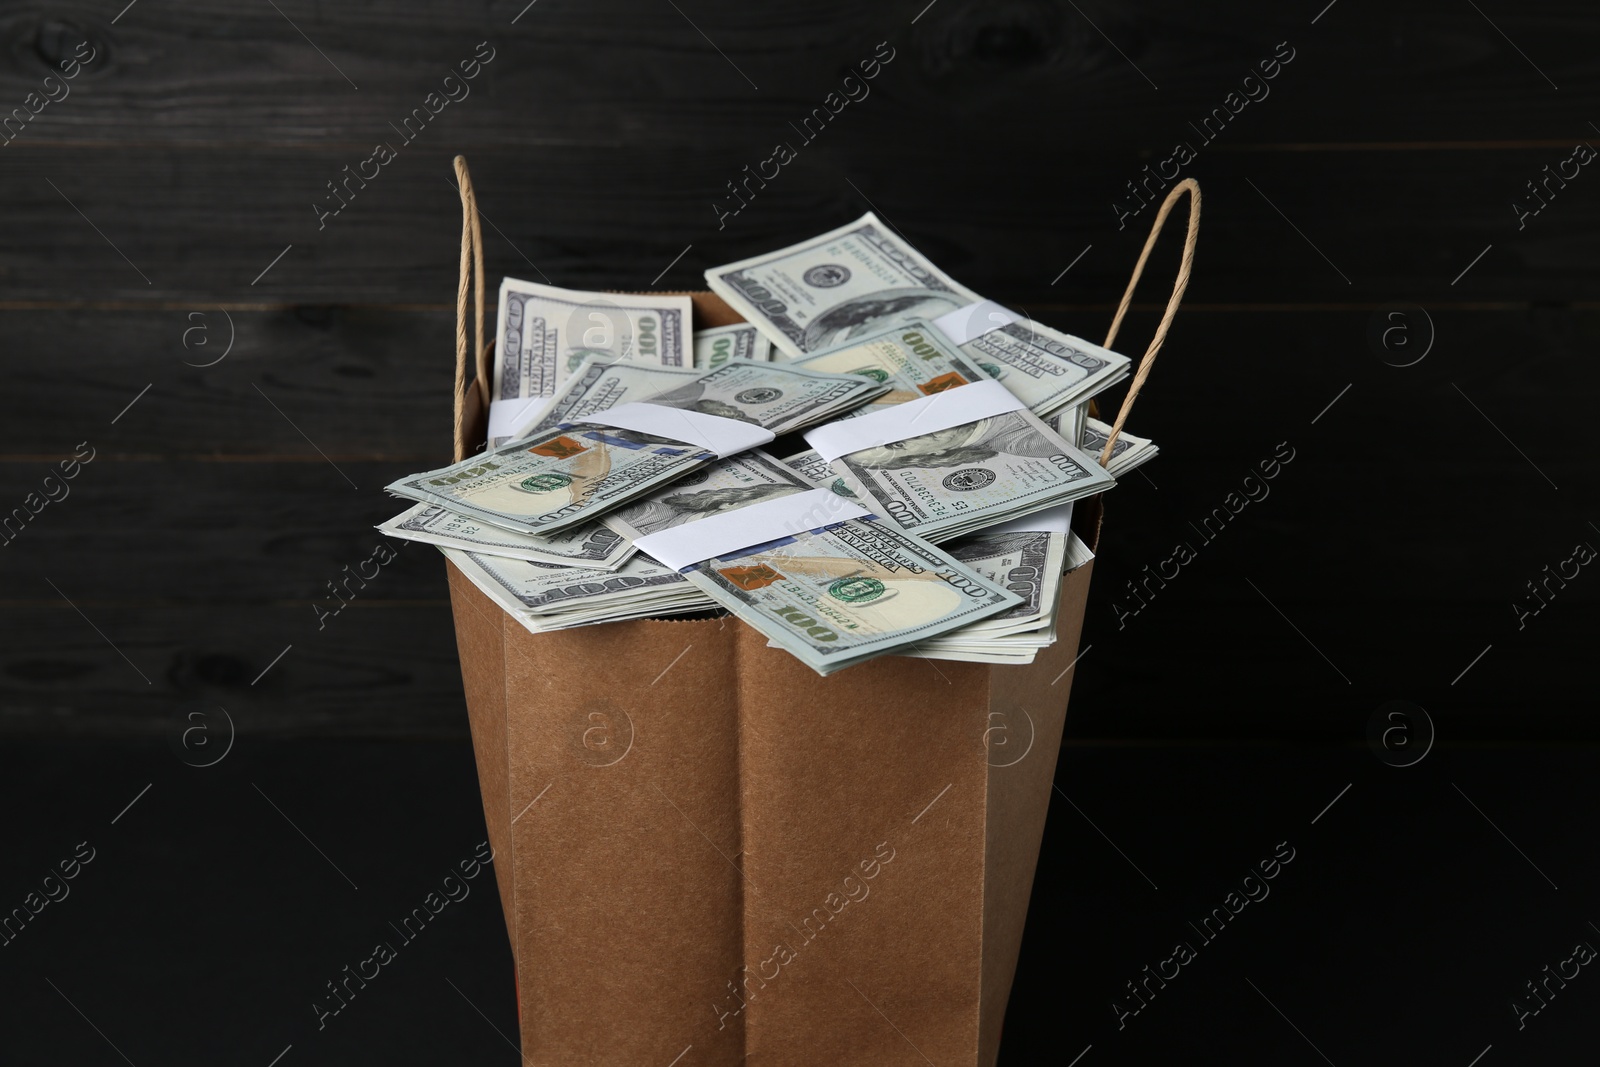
(543, 597)
(775, 396)
(1129, 451)
(834, 288)
(855, 589)
(727, 485)
(563, 473)
(714, 347)
(554, 479)
(1027, 565)
(544, 333)
(958, 480)
(1069, 423)
(913, 359)
(814, 469)
(1046, 369)
(1027, 562)
(589, 545)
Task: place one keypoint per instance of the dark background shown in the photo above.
(164, 208)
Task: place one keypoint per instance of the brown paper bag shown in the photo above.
(708, 854)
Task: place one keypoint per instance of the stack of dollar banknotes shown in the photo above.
(876, 461)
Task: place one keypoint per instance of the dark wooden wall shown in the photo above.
(164, 209)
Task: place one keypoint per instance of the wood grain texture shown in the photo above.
(210, 226)
(168, 200)
(350, 381)
(376, 669)
(624, 73)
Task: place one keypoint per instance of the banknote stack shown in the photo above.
(546, 596)
(630, 469)
(1129, 451)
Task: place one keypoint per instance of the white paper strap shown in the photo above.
(953, 407)
(713, 433)
(507, 416)
(974, 320)
(683, 546)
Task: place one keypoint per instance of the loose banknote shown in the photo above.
(715, 346)
(848, 282)
(588, 545)
(913, 359)
(562, 473)
(957, 480)
(544, 334)
(1045, 368)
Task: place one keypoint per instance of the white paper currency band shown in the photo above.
(693, 542)
(974, 320)
(724, 437)
(953, 407)
(505, 416)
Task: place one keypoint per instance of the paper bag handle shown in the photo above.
(1190, 186)
(472, 273)
(471, 270)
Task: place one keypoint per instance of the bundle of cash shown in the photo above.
(727, 485)
(1027, 556)
(570, 465)
(545, 333)
(777, 397)
(545, 596)
(1030, 563)
(846, 592)
(837, 287)
(1046, 368)
(823, 579)
(913, 359)
(717, 345)
(1069, 423)
(1129, 451)
(958, 476)
(589, 545)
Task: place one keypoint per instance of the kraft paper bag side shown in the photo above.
(1027, 715)
(875, 771)
(624, 779)
(478, 621)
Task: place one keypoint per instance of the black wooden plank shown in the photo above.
(374, 669)
(644, 75)
(232, 382)
(197, 533)
(1280, 226)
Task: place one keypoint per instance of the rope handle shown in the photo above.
(1190, 186)
(471, 271)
